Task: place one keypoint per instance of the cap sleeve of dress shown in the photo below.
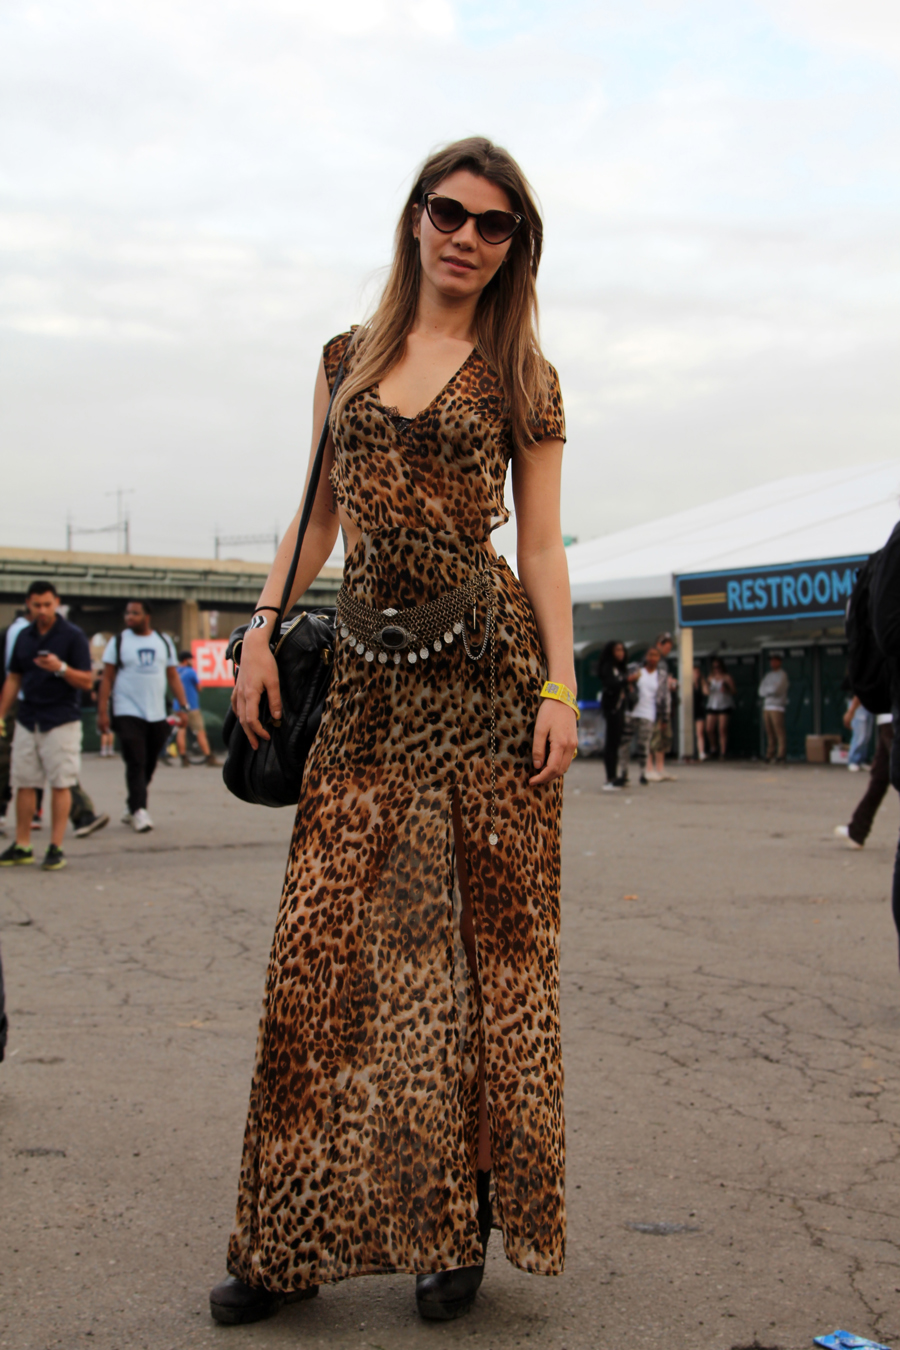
(551, 424)
(333, 354)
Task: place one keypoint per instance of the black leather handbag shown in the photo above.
(303, 647)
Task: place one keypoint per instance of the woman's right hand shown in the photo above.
(257, 674)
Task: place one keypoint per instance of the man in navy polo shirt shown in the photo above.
(50, 665)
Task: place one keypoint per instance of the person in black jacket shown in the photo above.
(884, 610)
(615, 702)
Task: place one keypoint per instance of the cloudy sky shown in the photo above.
(195, 194)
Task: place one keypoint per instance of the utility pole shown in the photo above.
(123, 524)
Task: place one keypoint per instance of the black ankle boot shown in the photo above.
(232, 1302)
(450, 1293)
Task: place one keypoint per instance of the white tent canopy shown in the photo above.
(830, 514)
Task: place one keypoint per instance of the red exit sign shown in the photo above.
(213, 671)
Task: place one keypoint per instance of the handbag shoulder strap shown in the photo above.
(312, 489)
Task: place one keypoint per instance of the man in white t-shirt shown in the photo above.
(643, 714)
(138, 666)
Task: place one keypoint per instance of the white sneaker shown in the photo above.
(125, 817)
(843, 832)
(610, 787)
(702, 757)
(141, 821)
(854, 768)
(652, 776)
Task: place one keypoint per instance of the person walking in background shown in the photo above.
(194, 714)
(773, 690)
(860, 722)
(7, 729)
(857, 832)
(107, 738)
(4, 1023)
(617, 686)
(701, 689)
(719, 707)
(84, 818)
(884, 614)
(661, 738)
(644, 715)
(49, 667)
(137, 667)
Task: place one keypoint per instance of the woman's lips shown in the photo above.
(458, 265)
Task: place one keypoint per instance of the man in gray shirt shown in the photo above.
(773, 690)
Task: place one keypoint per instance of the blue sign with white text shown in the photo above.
(808, 590)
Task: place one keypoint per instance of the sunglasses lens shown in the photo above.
(497, 226)
(446, 214)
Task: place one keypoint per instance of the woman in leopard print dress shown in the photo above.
(410, 1033)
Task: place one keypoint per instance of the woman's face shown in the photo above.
(717, 668)
(461, 264)
(619, 653)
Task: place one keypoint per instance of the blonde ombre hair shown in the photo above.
(506, 319)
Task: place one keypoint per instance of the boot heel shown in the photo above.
(448, 1294)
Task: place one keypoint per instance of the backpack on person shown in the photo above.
(167, 642)
(867, 668)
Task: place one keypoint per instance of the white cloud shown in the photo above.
(198, 195)
(868, 26)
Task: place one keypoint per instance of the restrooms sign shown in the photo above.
(808, 590)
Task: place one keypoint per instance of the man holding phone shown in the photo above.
(50, 665)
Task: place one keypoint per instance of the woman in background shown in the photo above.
(719, 707)
(617, 684)
(701, 691)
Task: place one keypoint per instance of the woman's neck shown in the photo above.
(440, 316)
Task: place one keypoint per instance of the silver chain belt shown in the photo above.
(386, 634)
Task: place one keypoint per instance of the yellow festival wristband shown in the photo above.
(563, 694)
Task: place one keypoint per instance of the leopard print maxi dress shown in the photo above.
(360, 1147)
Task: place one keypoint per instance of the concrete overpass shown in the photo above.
(190, 596)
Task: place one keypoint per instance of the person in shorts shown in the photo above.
(644, 715)
(49, 667)
(194, 714)
(661, 736)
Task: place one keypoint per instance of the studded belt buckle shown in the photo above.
(393, 638)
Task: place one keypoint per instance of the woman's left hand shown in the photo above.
(555, 741)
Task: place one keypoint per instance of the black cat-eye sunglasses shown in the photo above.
(448, 215)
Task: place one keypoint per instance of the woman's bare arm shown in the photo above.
(258, 672)
(544, 573)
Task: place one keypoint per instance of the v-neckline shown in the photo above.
(393, 411)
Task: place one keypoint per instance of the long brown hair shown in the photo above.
(506, 319)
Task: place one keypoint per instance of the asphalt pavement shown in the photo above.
(731, 1004)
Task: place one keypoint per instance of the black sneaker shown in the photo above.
(54, 859)
(17, 856)
(89, 825)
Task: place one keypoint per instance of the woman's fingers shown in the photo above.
(258, 676)
(273, 693)
(553, 749)
(248, 712)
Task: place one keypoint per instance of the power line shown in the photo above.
(238, 540)
(122, 527)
